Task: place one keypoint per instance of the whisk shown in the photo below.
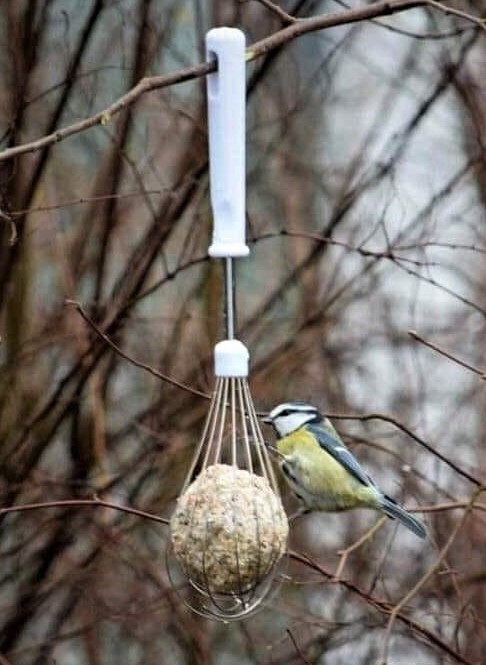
(229, 530)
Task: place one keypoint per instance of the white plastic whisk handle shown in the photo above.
(226, 122)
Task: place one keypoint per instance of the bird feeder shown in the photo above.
(229, 529)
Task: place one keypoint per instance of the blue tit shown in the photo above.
(322, 472)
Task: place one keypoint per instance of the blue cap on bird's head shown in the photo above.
(289, 416)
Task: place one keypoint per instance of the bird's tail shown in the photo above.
(393, 510)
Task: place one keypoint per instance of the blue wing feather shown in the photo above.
(332, 443)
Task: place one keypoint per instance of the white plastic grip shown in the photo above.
(226, 124)
(231, 358)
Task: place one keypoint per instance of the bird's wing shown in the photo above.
(332, 443)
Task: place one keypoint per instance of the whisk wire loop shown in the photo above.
(229, 532)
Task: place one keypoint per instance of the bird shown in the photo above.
(321, 471)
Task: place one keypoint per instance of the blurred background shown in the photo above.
(366, 196)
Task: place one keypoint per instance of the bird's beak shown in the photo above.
(267, 420)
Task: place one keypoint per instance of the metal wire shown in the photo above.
(232, 427)
(231, 435)
(230, 300)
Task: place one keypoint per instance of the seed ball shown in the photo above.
(228, 529)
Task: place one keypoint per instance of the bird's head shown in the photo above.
(289, 416)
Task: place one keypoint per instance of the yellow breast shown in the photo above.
(318, 478)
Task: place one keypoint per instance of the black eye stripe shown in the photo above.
(289, 412)
(288, 472)
(291, 409)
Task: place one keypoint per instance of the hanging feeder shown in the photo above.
(229, 529)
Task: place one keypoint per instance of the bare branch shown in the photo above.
(81, 201)
(302, 658)
(480, 22)
(257, 50)
(383, 606)
(75, 503)
(344, 554)
(446, 354)
(428, 575)
(354, 15)
(281, 13)
(453, 505)
(137, 363)
(415, 437)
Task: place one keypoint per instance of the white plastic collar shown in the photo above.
(231, 358)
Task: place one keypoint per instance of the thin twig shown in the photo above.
(415, 437)
(133, 361)
(481, 373)
(453, 505)
(480, 22)
(297, 648)
(88, 199)
(387, 253)
(410, 33)
(354, 15)
(344, 554)
(425, 578)
(63, 503)
(281, 13)
(383, 606)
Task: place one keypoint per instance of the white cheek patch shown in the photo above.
(292, 422)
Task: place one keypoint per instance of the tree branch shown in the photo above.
(427, 576)
(296, 29)
(75, 503)
(137, 363)
(385, 607)
(481, 373)
(415, 437)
